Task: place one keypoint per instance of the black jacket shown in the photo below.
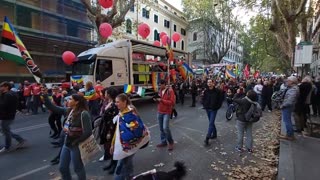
(212, 99)
(8, 105)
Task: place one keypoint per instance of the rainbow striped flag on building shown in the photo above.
(13, 49)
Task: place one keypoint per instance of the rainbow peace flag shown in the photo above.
(155, 81)
(229, 72)
(127, 88)
(90, 94)
(185, 71)
(13, 49)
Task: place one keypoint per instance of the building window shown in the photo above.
(166, 7)
(174, 44)
(132, 8)
(129, 26)
(155, 18)
(145, 13)
(183, 31)
(166, 24)
(195, 36)
(156, 35)
(182, 45)
(174, 28)
(175, 13)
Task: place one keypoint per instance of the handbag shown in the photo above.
(88, 148)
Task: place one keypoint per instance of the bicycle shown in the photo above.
(231, 109)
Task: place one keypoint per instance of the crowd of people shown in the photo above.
(74, 114)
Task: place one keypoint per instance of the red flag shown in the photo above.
(246, 71)
(256, 74)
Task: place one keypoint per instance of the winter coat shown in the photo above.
(243, 107)
(8, 105)
(212, 99)
(291, 97)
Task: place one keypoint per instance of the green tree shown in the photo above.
(115, 16)
(215, 24)
(261, 50)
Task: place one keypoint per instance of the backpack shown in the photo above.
(254, 113)
(278, 96)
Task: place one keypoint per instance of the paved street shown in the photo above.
(188, 131)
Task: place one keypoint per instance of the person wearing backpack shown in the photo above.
(244, 114)
(287, 107)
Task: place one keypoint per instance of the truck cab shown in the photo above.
(121, 62)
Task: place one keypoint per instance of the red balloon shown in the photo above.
(156, 43)
(176, 37)
(162, 34)
(106, 3)
(105, 30)
(68, 57)
(144, 30)
(164, 39)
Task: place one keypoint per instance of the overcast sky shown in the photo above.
(175, 3)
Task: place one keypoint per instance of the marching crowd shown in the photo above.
(78, 113)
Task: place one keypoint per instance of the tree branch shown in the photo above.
(89, 7)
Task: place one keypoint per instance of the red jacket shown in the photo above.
(167, 101)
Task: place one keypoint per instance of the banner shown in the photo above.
(12, 48)
(88, 149)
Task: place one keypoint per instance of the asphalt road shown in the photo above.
(188, 130)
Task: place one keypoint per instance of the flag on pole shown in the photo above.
(141, 91)
(246, 71)
(13, 49)
(185, 70)
(127, 88)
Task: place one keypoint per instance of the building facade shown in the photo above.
(161, 17)
(47, 28)
(315, 37)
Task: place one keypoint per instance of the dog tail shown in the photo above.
(180, 170)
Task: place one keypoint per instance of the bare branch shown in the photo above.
(88, 5)
(301, 7)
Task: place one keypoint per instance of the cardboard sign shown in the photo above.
(88, 149)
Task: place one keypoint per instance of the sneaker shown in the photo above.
(285, 137)
(161, 145)
(170, 147)
(101, 159)
(250, 150)
(238, 149)
(4, 150)
(21, 144)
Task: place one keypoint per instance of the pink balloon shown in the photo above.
(106, 3)
(176, 37)
(68, 57)
(156, 43)
(144, 30)
(105, 30)
(162, 34)
(164, 40)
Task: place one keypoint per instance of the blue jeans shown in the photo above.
(71, 154)
(166, 136)
(286, 117)
(241, 128)
(124, 169)
(5, 126)
(212, 131)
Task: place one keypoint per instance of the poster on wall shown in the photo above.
(303, 54)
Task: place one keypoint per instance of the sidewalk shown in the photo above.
(299, 160)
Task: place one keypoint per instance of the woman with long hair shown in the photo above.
(77, 128)
(107, 127)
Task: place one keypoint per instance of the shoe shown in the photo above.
(112, 170)
(55, 162)
(21, 144)
(206, 141)
(250, 150)
(5, 150)
(107, 167)
(238, 149)
(55, 143)
(170, 147)
(161, 145)
(101, 159)
(53, 135)
(285, 137)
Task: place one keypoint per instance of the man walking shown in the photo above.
(8, 106)
(166, 101)
(287, 106)
(212, 101)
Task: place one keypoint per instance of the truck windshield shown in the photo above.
(83, 68)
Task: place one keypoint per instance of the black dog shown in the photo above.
(175, 174)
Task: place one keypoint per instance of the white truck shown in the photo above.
(122, 62)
